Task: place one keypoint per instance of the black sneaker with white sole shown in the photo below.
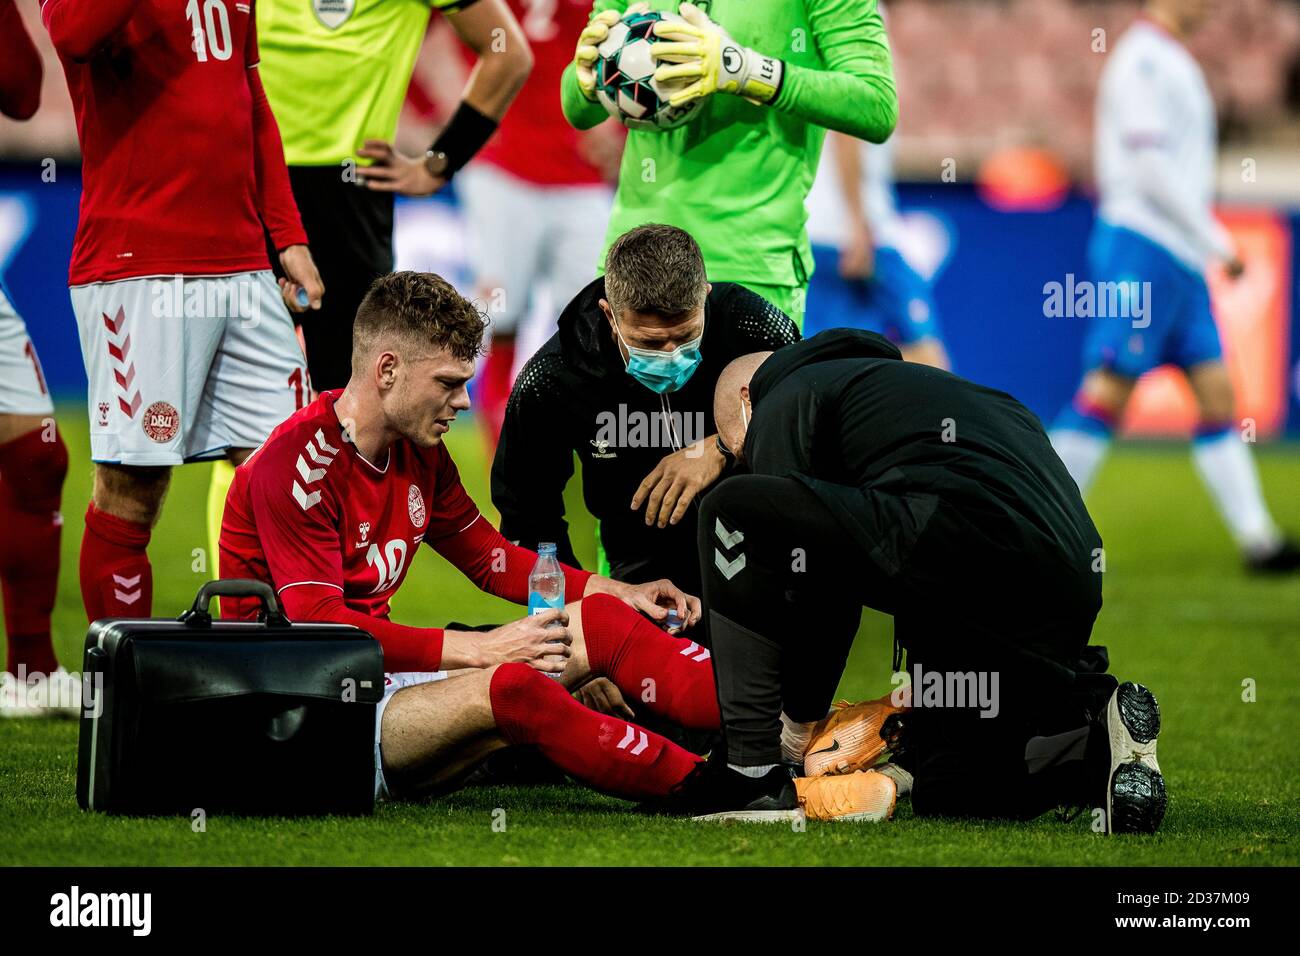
(1283, 559)
(1135, 788)
(715, 792)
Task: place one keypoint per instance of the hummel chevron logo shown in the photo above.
(315, 474)
(324, 457)
(127, 597)
(119, 350)
(125, 380)
(729, 569)
(310, 474)
(689, 650)
(318, 458)
(324, 445)
(631, 736)
(305, 501)
(729, 539)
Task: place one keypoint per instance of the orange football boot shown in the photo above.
(864, 797)
(850, 737)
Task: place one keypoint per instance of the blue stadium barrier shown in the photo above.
(989, 285)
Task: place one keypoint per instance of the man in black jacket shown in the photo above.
(904, 488)
(627, 383)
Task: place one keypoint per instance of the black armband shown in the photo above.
(728, 456)
(464, 136)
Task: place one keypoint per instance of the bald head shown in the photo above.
(731, 395)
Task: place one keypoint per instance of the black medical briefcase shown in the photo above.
(258, 717)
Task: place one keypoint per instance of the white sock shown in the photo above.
(1228, 470)
(794, 739)
(1082, 453)
(901, 777)
(754, 772)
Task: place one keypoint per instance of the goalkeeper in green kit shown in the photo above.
(776, 74)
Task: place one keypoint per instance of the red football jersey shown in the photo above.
(535, 142)
(306, 508)
(179, 149)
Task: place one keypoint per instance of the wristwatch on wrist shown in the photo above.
(726, 452)
(436, 163)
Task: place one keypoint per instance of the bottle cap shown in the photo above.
(546, 547)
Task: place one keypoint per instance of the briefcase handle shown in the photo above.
(199, 616)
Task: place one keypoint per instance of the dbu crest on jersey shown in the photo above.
(333, 13)
(161, 421)
(415, 506)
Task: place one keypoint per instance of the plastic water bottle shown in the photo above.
(546, 588)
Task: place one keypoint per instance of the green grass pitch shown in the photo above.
(1180, 616)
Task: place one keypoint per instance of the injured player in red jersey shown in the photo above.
(327, 512)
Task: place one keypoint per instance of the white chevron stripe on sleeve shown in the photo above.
(324, 445)
(318, 459)
(305, 501)
(309, 474)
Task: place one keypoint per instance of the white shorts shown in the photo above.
(392, 684)
(184, 369)
(525, 239)
(22, 383)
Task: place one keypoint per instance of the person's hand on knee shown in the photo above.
(603, 696)
(654, 599)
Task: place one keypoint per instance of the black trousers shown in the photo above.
(350, 233)
(784, 585)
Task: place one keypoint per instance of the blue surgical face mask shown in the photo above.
(663, 371)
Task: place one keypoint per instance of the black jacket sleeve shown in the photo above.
(533, 465)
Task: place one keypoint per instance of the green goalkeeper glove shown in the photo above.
(703, 56)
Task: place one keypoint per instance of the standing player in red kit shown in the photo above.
(329, 512)
(189, 351)
(33, 459)
(537, 201)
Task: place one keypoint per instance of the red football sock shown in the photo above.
(31, 487)
(602, 751)
(671, 676)
(494, 387)
(116, 579)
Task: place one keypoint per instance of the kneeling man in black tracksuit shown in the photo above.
(884, 483)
